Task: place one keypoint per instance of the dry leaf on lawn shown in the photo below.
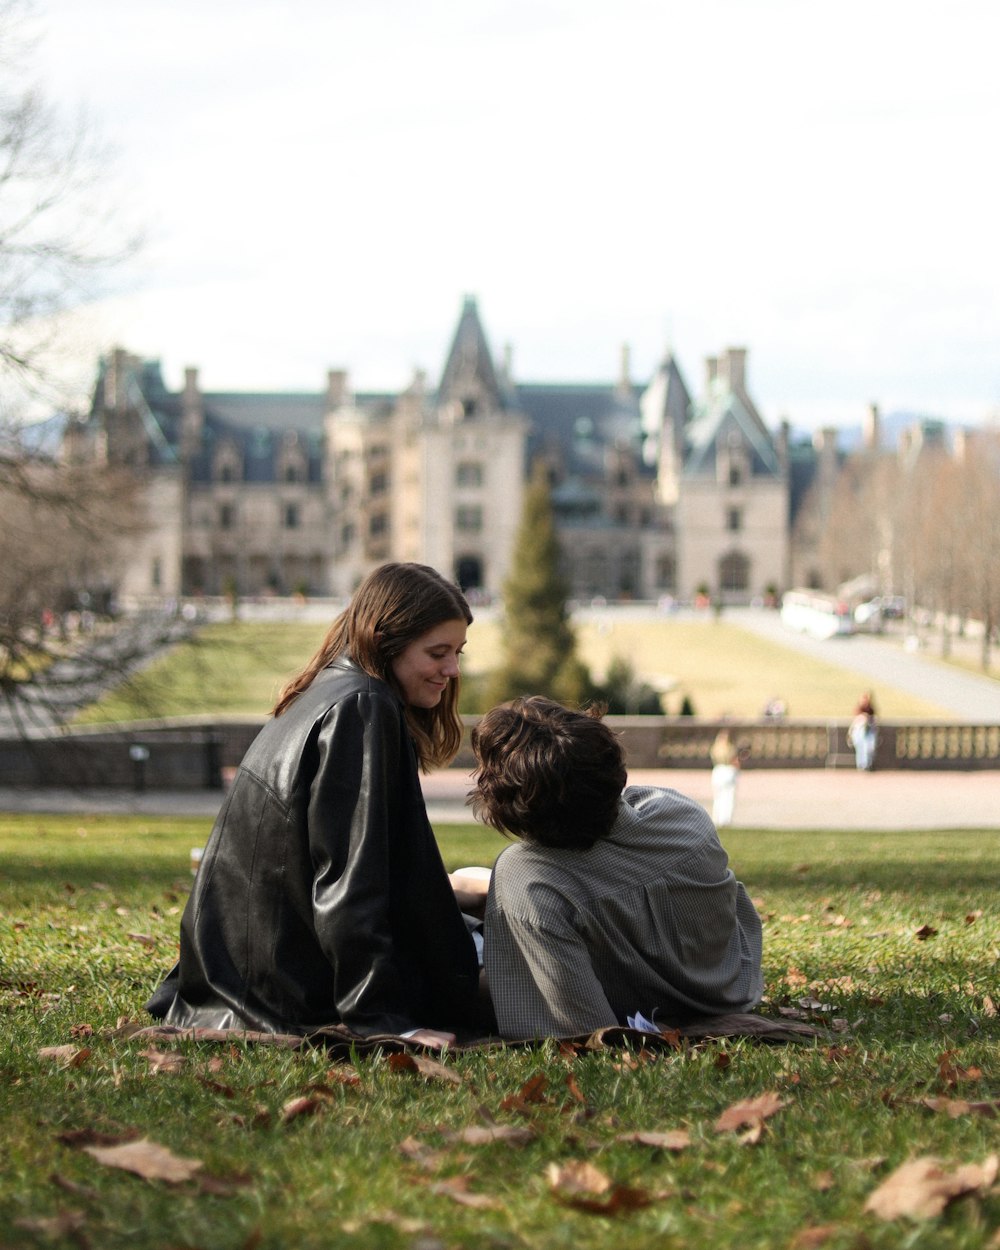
(673, 1139)
(421, 1065)
(163, 1060)
(68, 1056)
(580, 1185)
(922, 1188)
(296, 1108)
(576, 1177)
(61, 1225)
(484, 1134)
(531, 1093)
(810, 1238)
(422, 1154)
(457, 1189)
(749, 1112)
(147, 1159)
(955, 1107)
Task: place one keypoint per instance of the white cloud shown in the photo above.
(325, 181)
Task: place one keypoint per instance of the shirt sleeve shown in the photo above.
(541, 980)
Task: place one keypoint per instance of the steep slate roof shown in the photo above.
(158, 410)
(579, 421)
(469, 365)
(665, 399)
(724, 411)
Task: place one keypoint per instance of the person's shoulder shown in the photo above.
(339, 687)
(656, 817)
(652, 801)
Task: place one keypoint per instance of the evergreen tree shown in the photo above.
(539, 645)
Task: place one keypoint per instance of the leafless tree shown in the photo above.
(63, 523)
(977, 509)
(60, 233)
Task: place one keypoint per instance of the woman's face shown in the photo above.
(426, 665)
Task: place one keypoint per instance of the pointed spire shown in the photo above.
(469, 379)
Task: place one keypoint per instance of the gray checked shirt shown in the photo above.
(649, 919)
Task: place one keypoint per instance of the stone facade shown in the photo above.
(655, 494)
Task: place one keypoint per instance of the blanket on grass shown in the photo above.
(341, 1043)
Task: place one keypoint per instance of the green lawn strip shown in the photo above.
(237, 668)
(89, 909)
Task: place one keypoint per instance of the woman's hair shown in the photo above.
(394, 605)
(546, 773)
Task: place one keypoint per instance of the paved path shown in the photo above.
(883, 660)
(766, 799)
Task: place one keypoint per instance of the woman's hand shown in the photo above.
(430, 1037)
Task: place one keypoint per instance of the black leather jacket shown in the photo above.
(322, 897)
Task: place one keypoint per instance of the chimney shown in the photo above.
(872, 435)
(624, 378)
(733, 368)
(508, 362)
(192, 414)
(711, 371)
(336, 388)
(825, 445)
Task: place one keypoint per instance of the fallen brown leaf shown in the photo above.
(749, 1111)
(297, 1108)
(67, 1056)
(921, 1188)
(163, 1060)
(420, 1153)
(924, 932)
(531, 1093)
(484, 1134)
(580, 1185)
(672, 1139)
(62, 1224)
(457, 1189)
(810, 1238)
(147, 1159)
(73, 1187)
(144, 939)
(422, 1065)
(950, 1073)
(574, 1088)
(956, 1107)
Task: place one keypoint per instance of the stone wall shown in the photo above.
(201, 753)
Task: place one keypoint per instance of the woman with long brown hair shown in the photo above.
(322, 898)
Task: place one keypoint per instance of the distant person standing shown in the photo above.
(725, 772)
(862, 733)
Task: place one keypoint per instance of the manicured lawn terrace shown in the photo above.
(889, 942)
(239, 667)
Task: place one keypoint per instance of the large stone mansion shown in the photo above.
(656, 493)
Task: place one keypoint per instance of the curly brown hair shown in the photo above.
(546, 773)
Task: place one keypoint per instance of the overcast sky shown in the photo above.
(322, 181)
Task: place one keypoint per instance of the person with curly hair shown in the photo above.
(616, 900)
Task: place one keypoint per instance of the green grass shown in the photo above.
(90, 909)
(238, 668)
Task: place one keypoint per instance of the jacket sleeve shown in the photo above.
(353, 814)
